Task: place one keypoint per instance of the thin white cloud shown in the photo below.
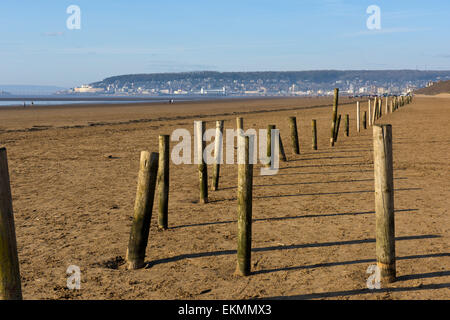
(385, 31)
(53, 34)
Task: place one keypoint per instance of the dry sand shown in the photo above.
(313, 234)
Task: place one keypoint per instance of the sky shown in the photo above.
(137, 36)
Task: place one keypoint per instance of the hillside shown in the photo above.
(271, 83)
(319, 76)
(436, 88)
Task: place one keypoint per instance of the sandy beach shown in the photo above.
(73, 172)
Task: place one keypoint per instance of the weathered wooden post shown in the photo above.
(347, 125)
(386, 109)
(218, 146)
(239, 123)
(365, 120)
(163, 181)
(283, 154)
(380, 107)
(377, 109)
(294, 134)
(10, 285)
(202, 167)
(142, 210)
(245, 185)
(370, 114)
(384, 201)
(334, 116)
(374, 111)
(338, 124)
(269, 144)
(314, 134)
(358, 117)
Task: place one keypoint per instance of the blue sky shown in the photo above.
(123, 37)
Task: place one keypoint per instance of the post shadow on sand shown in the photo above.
(324, 158)
(329, 165)
(345, 263)
(314, 194)
(315, 172)
(336, 151)
(360, 291)
(289, 247)
(312, 182)
(331, 193)
(288, 218)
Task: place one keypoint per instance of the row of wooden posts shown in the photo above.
(149, 169)
(154, 173)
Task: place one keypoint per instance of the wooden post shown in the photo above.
(347, 125)
(384, 201)
(218, 145)
(142, 210)
(202, 167)
(338, 124)
(10, 285)
(163, 181)
(314, 134)
(283, 154)
(239, 123)
(365, 120)
(380, 107)
(386, 110)
(294, 134)
(269, 144)
(370, 114)
(334, 116)
(358, 117)
(374, 111)
(244, 195)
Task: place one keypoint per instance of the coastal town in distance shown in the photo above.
(304, 83)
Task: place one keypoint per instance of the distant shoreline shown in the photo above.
(89, 102)
(35, 117)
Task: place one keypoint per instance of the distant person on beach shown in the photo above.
(171, 101)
